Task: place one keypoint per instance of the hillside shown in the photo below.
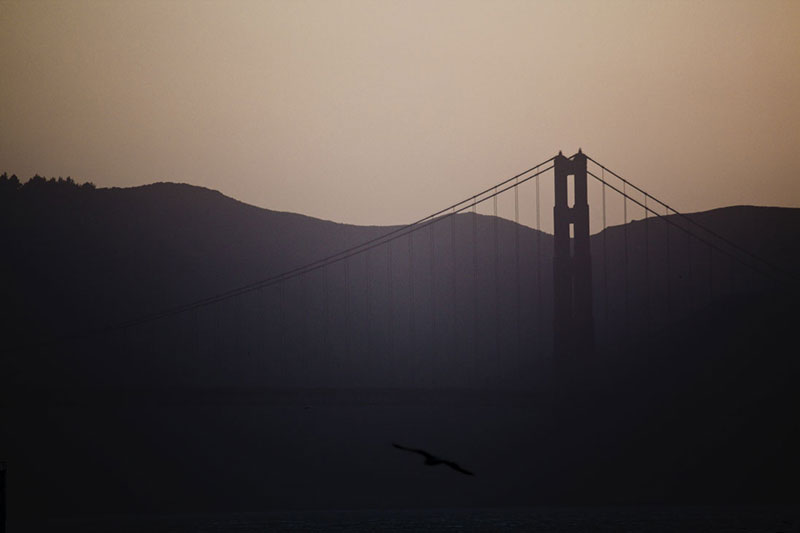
(689, 398)
(86, 259)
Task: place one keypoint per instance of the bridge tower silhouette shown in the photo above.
(573, 321)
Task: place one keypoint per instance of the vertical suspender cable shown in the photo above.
(475, 278)
(669, 267)
(434, 339)
(516, 262)
(625, 255)
(454, 338)
(284, 357)
(411, 296)
(647, 307)
(368, 301)
(605, 256)
(496, 281)
(539, 317)
(692, 296)
(305, 337)
(390, 303)
(347, 306)
(326, 312)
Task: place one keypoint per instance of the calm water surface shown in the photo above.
(603, 519)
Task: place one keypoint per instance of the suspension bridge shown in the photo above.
(650, 328)
(500, 289)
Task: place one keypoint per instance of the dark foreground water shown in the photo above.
(571, 519)
(130, 463)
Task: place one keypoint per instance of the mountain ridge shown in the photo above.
(689, 396)
(123, 253)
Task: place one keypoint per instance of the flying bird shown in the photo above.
(432, 460)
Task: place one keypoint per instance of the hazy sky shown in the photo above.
(377, 112)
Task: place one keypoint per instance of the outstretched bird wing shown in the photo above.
(455, 466)
(415, 450)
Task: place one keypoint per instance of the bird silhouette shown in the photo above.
(432, 460)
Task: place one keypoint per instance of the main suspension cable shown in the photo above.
(386, 238)
(699, 225)
(686, 230)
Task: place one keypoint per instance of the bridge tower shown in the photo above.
(573, 322)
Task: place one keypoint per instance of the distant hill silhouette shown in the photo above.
(91, 258)
(691, 396)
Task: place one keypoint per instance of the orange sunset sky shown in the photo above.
(379, 112)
